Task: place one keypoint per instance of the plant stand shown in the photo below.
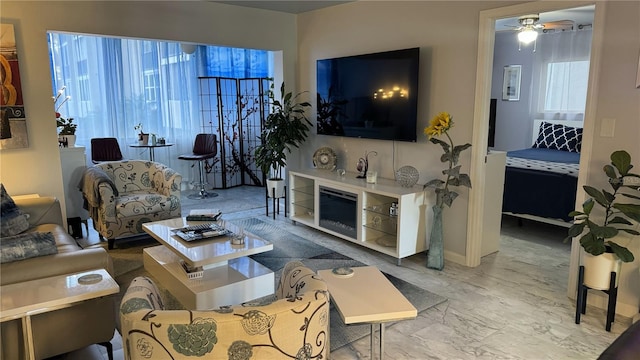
(276, 201)
(581, 299)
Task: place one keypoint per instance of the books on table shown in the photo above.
(204, 215)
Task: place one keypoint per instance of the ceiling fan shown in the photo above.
(529, 26)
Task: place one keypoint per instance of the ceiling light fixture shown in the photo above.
(528, 30)
(527, 35)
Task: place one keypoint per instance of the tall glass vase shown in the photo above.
(435, 256)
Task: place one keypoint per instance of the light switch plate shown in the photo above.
(608, 127)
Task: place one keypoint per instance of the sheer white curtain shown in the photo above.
(561, 70)
(116, 84)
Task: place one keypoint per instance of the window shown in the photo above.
(560, 75)
(150, 85)
(116, 84)
(566, 87)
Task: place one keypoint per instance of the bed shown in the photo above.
(541, 181)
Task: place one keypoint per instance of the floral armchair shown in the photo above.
(123, 195)
(294, 324)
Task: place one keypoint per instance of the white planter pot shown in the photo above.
(597, 270)
(278, 184)
(71, 139)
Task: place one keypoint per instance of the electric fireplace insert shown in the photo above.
(338, 211)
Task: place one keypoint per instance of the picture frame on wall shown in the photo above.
(511, 83)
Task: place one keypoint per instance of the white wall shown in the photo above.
(619, 98)
(513, 126)
(37, 168)
(447, 34)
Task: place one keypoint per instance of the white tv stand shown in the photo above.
(398, 236)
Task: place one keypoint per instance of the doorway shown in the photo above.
(481, 115)
(540, 129)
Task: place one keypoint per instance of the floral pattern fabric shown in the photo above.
(146, 191)
(292, 327)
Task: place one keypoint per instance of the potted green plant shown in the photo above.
(67, 126)
(285, 127)
(599, 231)
(67, 132)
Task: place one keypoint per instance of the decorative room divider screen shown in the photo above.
(235, 110)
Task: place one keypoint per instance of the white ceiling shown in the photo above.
(581, 16)
(288, 6)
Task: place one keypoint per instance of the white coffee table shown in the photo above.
(26, 299)
(229, 275)
(368, 296)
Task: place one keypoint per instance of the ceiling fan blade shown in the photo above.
(514, 27)
(559, 25)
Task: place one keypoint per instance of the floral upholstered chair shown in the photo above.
(294, 325)
(123, 195)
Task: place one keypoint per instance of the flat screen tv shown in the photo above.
(373, 96)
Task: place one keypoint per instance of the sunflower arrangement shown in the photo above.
(439, 125)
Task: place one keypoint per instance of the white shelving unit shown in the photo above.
(73, 161)
(399, 235)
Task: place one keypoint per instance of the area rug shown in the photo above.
(127, 260)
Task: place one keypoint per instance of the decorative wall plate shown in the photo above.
(325, 158)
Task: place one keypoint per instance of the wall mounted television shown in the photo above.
(372, 96)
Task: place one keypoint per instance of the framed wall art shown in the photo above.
(14, 121)
(511, 83)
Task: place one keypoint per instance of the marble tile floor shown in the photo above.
(513, 306)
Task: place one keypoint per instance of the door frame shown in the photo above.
(484, 71)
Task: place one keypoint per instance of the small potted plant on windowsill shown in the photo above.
(286, 127)
(67, 133)
(601, 241)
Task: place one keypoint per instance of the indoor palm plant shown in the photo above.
(285, 127)
(599, 231)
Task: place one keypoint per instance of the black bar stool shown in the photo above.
(203, 148)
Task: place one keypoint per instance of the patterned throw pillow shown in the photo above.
(12, 220)
(559, 137)
(25, 246)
